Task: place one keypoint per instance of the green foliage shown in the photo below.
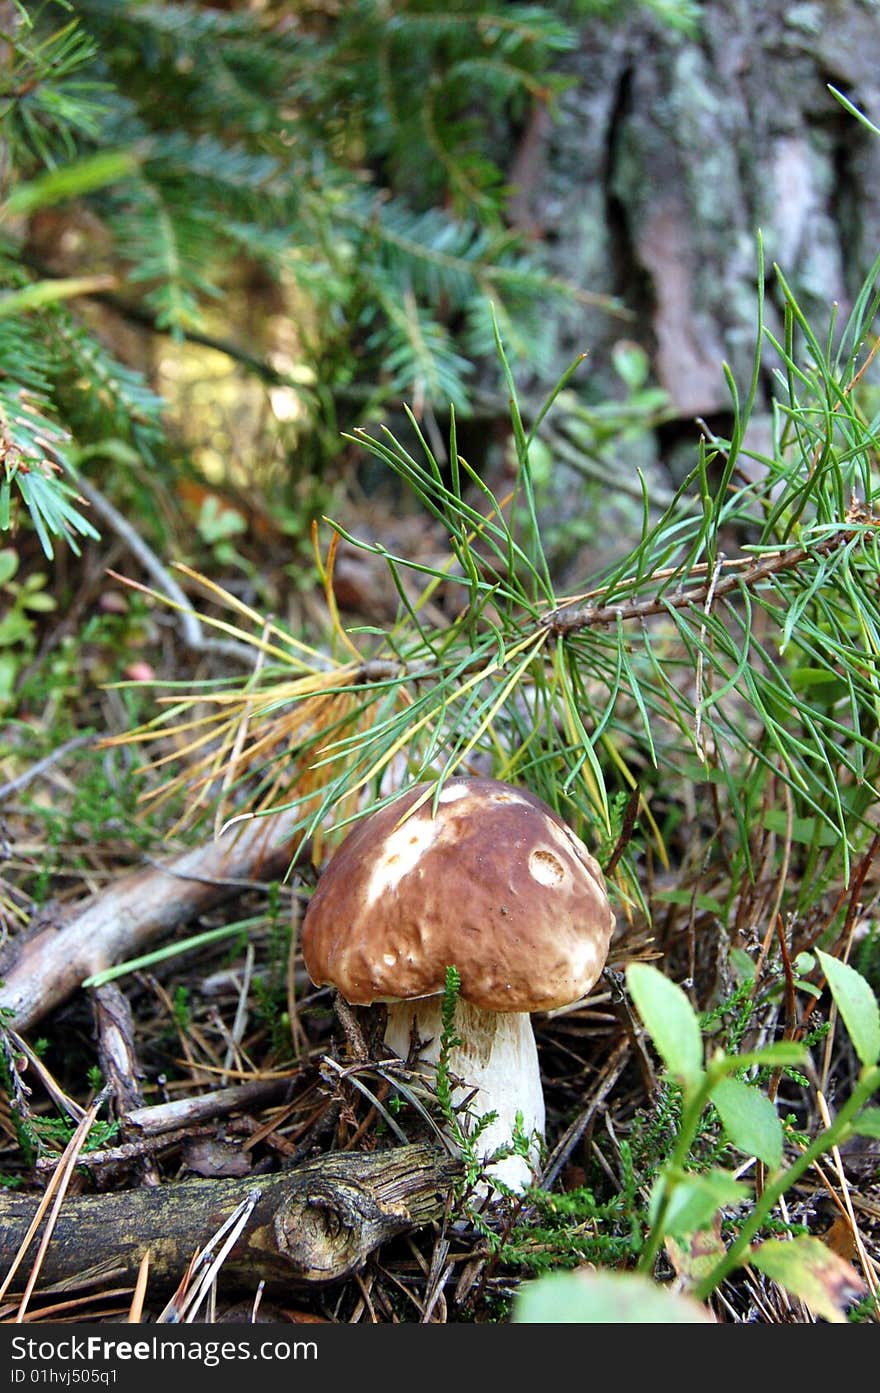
(670, 1019)
(181, 1007)
(23, 601)
(40, 1133)
(270, 980)
(449, 1040)
(348, 155)
(564, 1230)
(602, 1298)
(101, 809)
(688, 1197)
(857, 1004)
(750, 1124)
(51, 1134)
(201, 140)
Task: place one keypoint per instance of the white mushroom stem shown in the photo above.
(498, 1058)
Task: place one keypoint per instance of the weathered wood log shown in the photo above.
(38, 971)
(317, 1223)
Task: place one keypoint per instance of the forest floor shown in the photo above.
(212, 1059)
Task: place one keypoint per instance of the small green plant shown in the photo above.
(22, 601)
(589, 439)
(687, 1200)
(449, 1040)
(39, 1133)
(270, 983)
(100, 810)
(182, 1007)
(565, 1230)
(51, 1134)
(466, 1137)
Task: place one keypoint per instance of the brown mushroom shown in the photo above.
(492, 882)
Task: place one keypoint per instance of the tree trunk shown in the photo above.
(672, 151)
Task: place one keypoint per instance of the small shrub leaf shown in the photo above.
(857, 1005)
(780, 1052)
(669, 1019)
(808, 1269)
(749, 1120)
(602, 1298)
(696, 1199)
(867, 1123)
(8, 564)
(695, 1256)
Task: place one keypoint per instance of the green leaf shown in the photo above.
(801, 677)
(696, 1254)
(807, 1268)
(804, 830)
(9, 666)
(779, 1052)
(669, 1019)
(749, 1120)
(742, 964)
(696, 1199)
(8, 564)
(15, 627)
(601, 1298)
(867, 1123)
(71, 181)
(50, 292)
(706, 902)
(857, 1005)
(631, 363)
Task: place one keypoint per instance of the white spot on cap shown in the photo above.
(545, 867)
(402, 851)
(587, 959)
(452, 792)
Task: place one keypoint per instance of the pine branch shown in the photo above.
(737, 573)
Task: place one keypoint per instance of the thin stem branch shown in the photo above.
(694, 1102)
(740, 572)
(193, 633)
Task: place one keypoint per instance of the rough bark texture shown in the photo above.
(317, 1223)
(671, 152)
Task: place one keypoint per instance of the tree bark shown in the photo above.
(317, 1223)
(673, 150)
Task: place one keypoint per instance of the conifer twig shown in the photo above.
(742, 572)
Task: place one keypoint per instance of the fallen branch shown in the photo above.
(317, 1223)
(40, 970)
(189, 1112)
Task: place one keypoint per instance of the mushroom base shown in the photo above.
(498, 1058)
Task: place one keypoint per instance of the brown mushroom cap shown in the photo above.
(493, 882)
